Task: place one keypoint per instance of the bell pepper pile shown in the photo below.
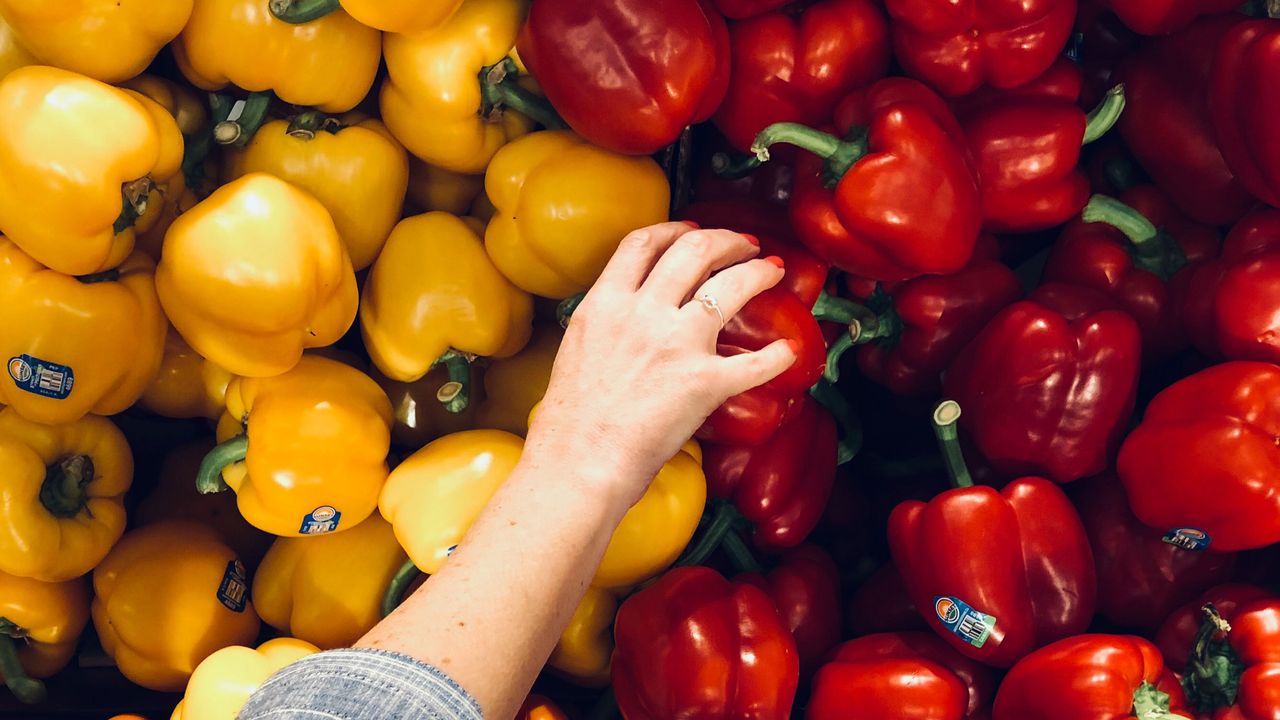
(282, 283)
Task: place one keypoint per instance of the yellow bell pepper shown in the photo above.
(12, 54)
(327, 64)
(77, 345)
(61, 495)
(563, 207)
(176, 498)
(222, 684)
(419, 416)
(256, 273)
(434, 188)
(79, 161)
(297, 592)
(108, 40)
(401, 16)
(359, 172)
(446, 76)
(47, 618)
(585, 648)
(311, 458)
(434, 297)
(181, 389)
(514, 385)
(168, 596)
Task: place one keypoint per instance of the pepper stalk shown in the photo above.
(1151, 248)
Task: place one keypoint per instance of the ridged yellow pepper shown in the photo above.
(47, 618)
(434, 188)
(108, 40)
(222, 684)
(401, 16)
(296, 590)
(312, 455)
(434, 296)
(182, 387)
(77, 345)
(563, 206)
(438, 75)
(61, 495)
(176, 498)
(168, 596)
(359, 172)
(585, 649)
(514, 385)
(327, 64)
(419, 415)
(79, 161)
(12, 54)
(255, 274)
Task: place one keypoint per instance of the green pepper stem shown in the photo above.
(740, 555)
(722, 518)
(305, 125)
(727, 167)
(1105, 116)
(829, 396)
(455, 394)
(209, 476)
(1212, 677)
(499, 89)
(865, 325)
(298, 12)
(238, 131)
(28, 690)
(829, 308)
(134, 197)
(1152, 250)
(399, 584)
(566, 308)
(945, 416)
(63, 491)
(840, 155)
(1149, 703)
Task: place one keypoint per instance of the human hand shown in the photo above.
(637, 372)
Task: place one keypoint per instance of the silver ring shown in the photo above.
(709, 302)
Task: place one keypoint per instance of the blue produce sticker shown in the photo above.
(41, 377)
(323, 519)
(962, 620)
(1187, 538)
(234, 590)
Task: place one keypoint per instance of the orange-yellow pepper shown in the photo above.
(537, 707)
(77, 345)
(108, 40)
(79, 161)
(175, 498)
(434, 188)
(585, 648)
(186, 385)
(12, 54)
(168, 596)
(514, 385)
(400, 16)
(222, 684)
(563, 206)
(440, 75)
(255, 274)
(327, 64)
(61, 495)
(40, 624)
(296, 590)
(434, 296)
(419, 415)
(359, 172)
(311, 457)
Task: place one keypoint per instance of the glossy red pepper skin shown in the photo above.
(1058, 406)
(881, 604)
(1019, 554)
(1243, 97)
(740, 9)
(782, 484)
(1167, 126)
(1206, 457)
(1087, 676)
(805, 588)
(1245, 295)
(910, 207)
(1141, 578)
(1098, 255)
(628, 75)
(790, 67)
(900, 675)
(1177, 634)
(694, 645)
(958, 47)
(1161, 17)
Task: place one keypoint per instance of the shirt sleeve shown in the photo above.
(360, 684)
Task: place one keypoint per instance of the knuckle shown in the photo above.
(695, 243)
(638, 239)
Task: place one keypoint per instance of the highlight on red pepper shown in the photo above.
(1238, 296)
(895, 196)
(1025, 576)
(1242, 94)
(1205, 461)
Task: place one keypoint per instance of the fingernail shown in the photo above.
(752, 239)
(776, 261)
(795, 346)
(692, 224)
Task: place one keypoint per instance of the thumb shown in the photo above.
(743, 372)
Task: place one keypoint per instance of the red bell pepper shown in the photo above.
(694, 645)
(957, 47)
(1141, 253)
(1161, 17)
(739, 9)
(997, 574)
(900, 675)
(790, 67)
(781, 485)
(1141, 577)
(1176, 637)
(882, 604)
(1101, 677)
(1104, 44)
(769, 185)
(1243, 101)
(1167, 126)
(1056, 407)
(1242, 292)
(898, 198)
(805, 588)
(628, 75)
(1206, 457)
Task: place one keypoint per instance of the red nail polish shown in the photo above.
(795, 346)
(692, 224)
(776, 261)
(752, 239)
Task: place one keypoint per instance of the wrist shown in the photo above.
(586, 464)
